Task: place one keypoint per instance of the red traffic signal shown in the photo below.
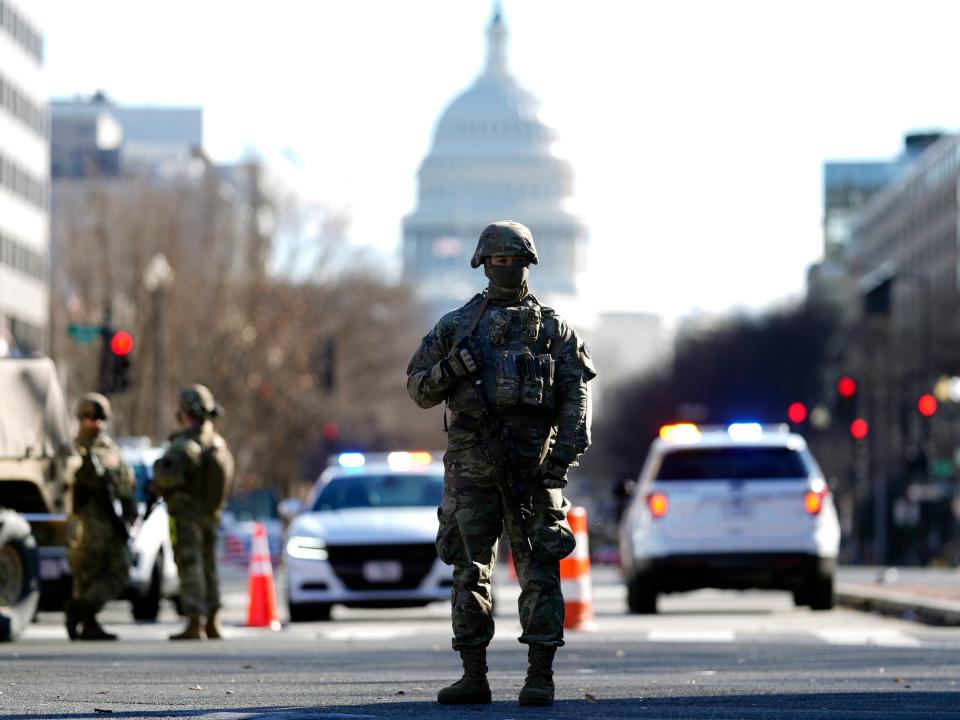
(797, 413)
(859, 429)
(121, 343)
(846, 386)
(927, 405)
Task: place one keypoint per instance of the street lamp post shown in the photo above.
(158, 277)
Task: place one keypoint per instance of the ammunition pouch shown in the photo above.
(524, 379)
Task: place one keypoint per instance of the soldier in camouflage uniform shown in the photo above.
(535, 372)
(185, 478)
(98, 553)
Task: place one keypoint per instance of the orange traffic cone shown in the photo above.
(575, 576)
(262, 607)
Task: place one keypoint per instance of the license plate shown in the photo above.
(738, 508)
(50, 570)
(383, 571)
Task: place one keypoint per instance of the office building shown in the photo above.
(24, 184)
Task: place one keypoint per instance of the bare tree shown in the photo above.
(266, 294)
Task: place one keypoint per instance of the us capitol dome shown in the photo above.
(492, 158)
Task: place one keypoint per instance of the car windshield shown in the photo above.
(364, 491)
(734, 463)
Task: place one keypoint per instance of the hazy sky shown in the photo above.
(697, 128)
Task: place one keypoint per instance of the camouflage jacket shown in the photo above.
(178, 474)
(102, 479)
(535, 371)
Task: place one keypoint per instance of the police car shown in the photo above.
(737, 507)
(153, 573)
(366, 536)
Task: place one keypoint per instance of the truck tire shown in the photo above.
(19, 575)
(147, 606)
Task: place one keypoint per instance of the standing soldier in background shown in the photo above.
(102, 506)
(194, 477)
(515, 377)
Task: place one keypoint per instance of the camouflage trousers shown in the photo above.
(194, 550)
(100, 562)
(473, 516)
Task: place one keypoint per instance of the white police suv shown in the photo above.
(366, 537)
(743, 506)
(153, 573)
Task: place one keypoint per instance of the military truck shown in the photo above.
(37, 464)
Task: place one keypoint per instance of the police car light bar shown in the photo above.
(351, 460)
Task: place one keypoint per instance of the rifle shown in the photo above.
(109, 494)
(497, 440)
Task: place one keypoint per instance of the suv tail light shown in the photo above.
(813, 501)
(658, 504)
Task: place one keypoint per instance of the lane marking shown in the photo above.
(879, 637)
(691, 636)
(366, 634)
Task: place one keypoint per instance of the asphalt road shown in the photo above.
(707, 655)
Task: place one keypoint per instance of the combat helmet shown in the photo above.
(199, 402)
(94, 405)
(505, 238)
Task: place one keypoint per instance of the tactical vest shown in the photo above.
(517, 366)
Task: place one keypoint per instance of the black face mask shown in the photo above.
(507, 277)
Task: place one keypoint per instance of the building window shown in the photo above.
(27, 112)
(21, 182)
(21, 31)
(19, 257)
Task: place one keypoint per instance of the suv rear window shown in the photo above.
(733, 463)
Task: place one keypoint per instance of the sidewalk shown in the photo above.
(930, 596)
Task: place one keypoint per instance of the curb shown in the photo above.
(907, 606)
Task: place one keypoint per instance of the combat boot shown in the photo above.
(92, 630)
(212, 628)
(472, 688)
(191, 631)
(73, 612)
(538, 690)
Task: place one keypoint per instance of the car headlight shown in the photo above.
(306, 548)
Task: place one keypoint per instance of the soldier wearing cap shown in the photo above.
(534, 373)
(102, 506)
(194, 478)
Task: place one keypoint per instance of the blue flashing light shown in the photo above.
(745, 431)
(351, 460)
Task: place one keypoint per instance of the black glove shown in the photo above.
(462, 360)
(553, 474)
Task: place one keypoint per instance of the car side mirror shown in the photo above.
(291, 507)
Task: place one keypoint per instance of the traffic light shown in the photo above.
(927, 405)
(115, 361)
(797, 413)
(325, 361)
(845, 405)
(859, 429)
(846, 387)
